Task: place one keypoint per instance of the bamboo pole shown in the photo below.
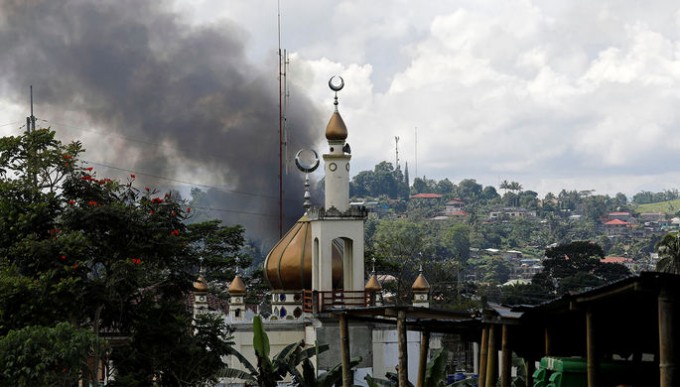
(483, 349)
(344, 352)
(667, 369)
(422, 360)
(506, 357)
(591, 361)
(403, 350)
(530, 366)
(491, 358)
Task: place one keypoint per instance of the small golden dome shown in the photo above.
(336, 129)
(200, 285)
(420, 284)
(237, 286)
(288, 265)
(373, 284)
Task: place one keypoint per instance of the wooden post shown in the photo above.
(403, 349)
(491, 358)
(591, 350)
(344, 352)
(422, 360)
(483, 348)
(667, 369)
(506, 357)
(530, 366)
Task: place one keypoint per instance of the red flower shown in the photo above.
(133, 176)
(89, 168)
(174, 232)
(86, 178)
(92, 203)
(68, 157)
(147, 189)
(188, 210)
(62, 257)
(152, 212)
(157, 200)
(54, 231)
(71, 202)
(136, 261)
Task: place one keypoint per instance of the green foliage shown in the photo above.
(576, 265)
(45, 356)
(270, 371)
(669, 254)
(105, 256)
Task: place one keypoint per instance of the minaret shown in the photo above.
(237, 292)
(337, 160)
(373, 289)
(337, 223)
(421, 291)
(200, 295)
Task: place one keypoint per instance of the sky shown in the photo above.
(553, 94)
(573, 94)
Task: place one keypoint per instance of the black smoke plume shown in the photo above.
(137, 69)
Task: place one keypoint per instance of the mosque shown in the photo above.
(317, 270)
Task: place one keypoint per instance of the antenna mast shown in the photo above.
(30, 121)
(396, 147)
(280, 125)
(416, 151)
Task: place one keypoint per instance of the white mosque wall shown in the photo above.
(386, 352)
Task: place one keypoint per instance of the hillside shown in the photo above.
(667, 207)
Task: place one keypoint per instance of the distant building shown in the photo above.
(426, 196)
(454, 208)
(509, 213)
(619, 215)
(616, 227)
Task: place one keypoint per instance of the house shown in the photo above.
(509, 213)
(619, 215)
(426, 196)
(454, 208)
(616, 227)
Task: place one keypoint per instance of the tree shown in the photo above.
(104, 256)
(576, 265)
(505, 186)
(45, 356)
(469, 190)
(400, 246)
(669, 254)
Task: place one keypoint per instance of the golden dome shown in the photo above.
(200, 285)
(336, 129)
(288, 265)
(420, 284)
(373, 284)
(237, 286)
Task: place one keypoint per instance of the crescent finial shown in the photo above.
(336, 87)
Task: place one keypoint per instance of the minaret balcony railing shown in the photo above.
(327, 301)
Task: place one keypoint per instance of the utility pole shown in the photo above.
(416, 151)
(280, 125)
(30, 121)
(396, 147)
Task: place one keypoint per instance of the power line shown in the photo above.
(10, 123)
(177, 180)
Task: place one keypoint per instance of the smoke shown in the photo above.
(137, 69)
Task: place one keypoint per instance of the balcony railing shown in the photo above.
(316, 302)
